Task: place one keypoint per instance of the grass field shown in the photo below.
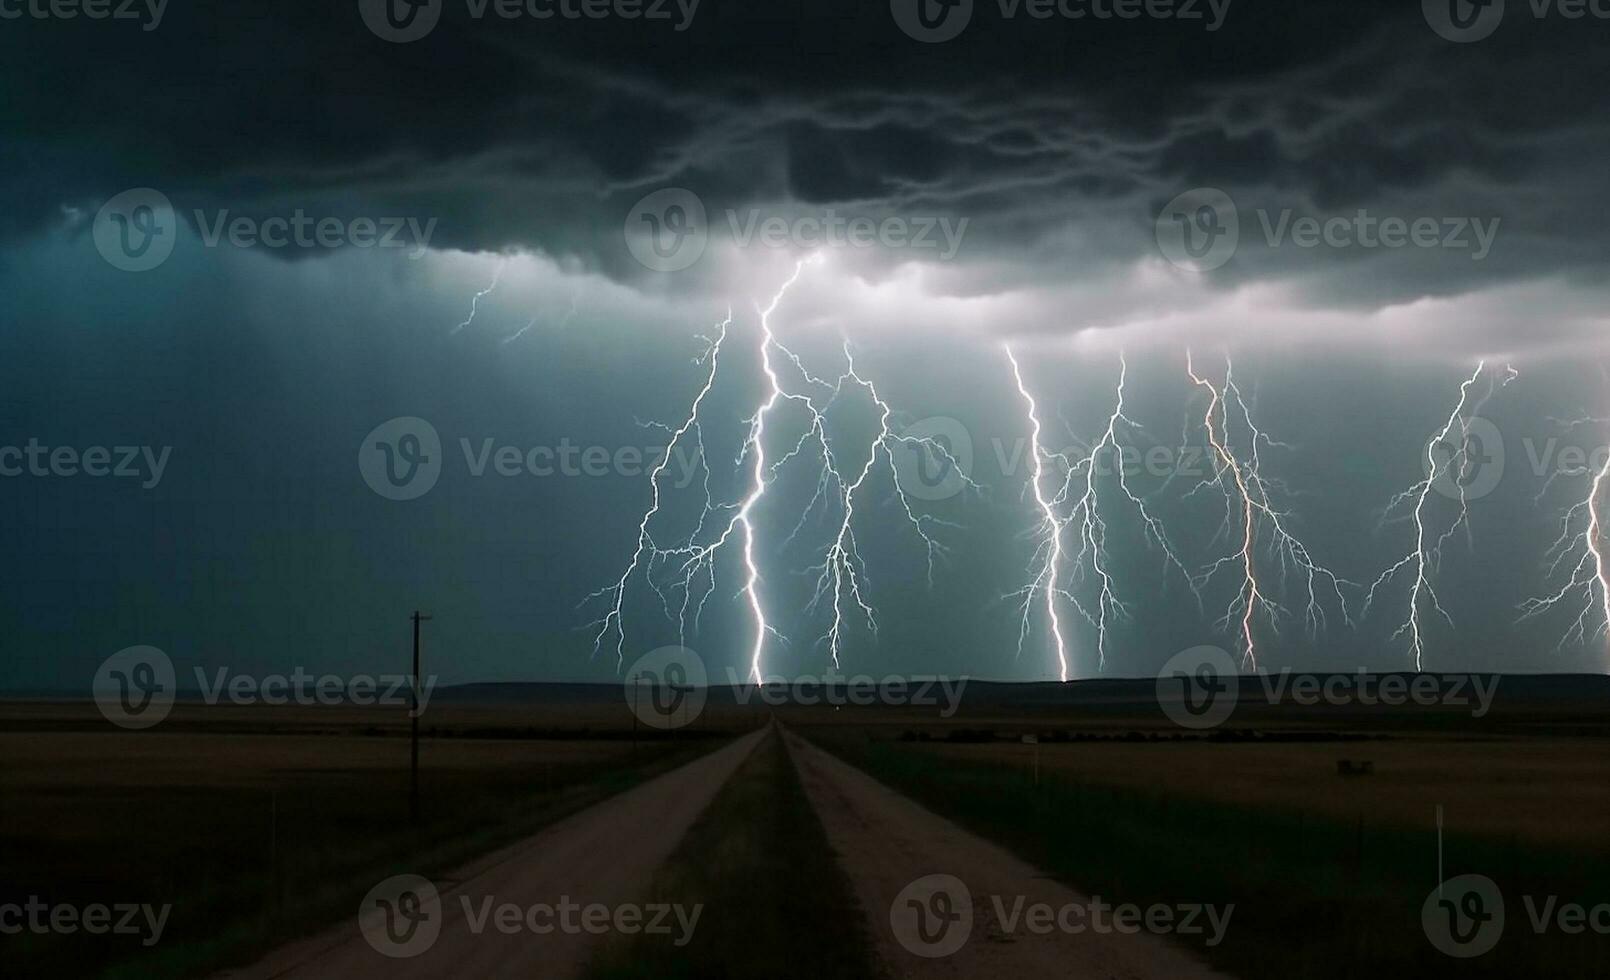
(1328, 872)
(258, 823)
(1499, 788)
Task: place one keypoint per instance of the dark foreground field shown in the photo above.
(263, 824)
(259, 823)
(1328, 870)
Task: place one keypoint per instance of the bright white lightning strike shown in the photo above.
(1254, 522)
(1584, 553)
(757, 448)
(1426, 557)
(1087, 512)
(1047, 560)
(841, 576)
(646, 550)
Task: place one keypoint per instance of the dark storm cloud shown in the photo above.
(541, 134)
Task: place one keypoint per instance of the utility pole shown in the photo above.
(637, 690)
(413, 765)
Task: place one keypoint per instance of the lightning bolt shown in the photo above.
(1046, 563)
(1254, 521)
(1086, 512)
(1426, 558)
(695, 556)
(646, 551)
(842, 571)
(687, 568)
(1583, 552)
(757, 449)
(475, 301)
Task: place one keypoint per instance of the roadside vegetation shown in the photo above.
(1316, 895)
(776, 904)
(259, 830)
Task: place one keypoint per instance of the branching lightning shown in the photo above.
(1082, 487)
(1255, 524)
(646, 551)
(1082, 507)
(1426, 558)
(687, 569)
(842, 569)
(1581, 550)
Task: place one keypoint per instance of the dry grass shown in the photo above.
(257, 822)
(1493, 787)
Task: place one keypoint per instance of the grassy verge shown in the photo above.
(247, 867)
(1314, 898)
(776, 905)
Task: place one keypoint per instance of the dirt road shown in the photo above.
(605, 854)
(895, 853)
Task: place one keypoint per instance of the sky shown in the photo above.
(254, 243)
